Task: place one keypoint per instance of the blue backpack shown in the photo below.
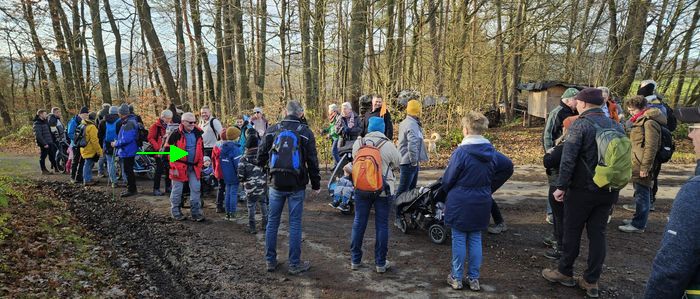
(285, 158)
(111, 131)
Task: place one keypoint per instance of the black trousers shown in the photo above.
(584, 208)
(558, 214)
(220, 194)
(129, 171)
(496, 213)
(76, 169)
(655, 188)
(162, 169)
(51, 153)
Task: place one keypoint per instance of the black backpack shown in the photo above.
(667, 146)
(79, 136)
(142, 134)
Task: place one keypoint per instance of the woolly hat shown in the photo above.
(232, 133)
(257, 109)
(84, 110)
(569, 93)
(591, 95)
(413, 108)
(375, 124)
(124, 109)
(251, 139)
(646, 88)
(206, 158)
(114, 110)
(569, 121)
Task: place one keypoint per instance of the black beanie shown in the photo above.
(591, 95)
(647, 90)
(251, 138)
(84, 110)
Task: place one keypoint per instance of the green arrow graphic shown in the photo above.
(175, 153)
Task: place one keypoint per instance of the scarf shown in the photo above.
(332, 116)
(638, 115)
(350, 122)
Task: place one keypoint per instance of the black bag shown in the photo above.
(667, 147)
(79, 136)
(142, 134)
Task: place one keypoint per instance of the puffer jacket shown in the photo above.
(107, 147)
(156, 133)
(92, 148)
(42, 132)
(178, 169)
(251, 175)
(215, 157)
(467, 182)
(411, 145)
(645, 136)
(390, 157)
(126, 143)
(388, 124)
(228, 161)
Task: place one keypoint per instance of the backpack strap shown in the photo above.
(211, 125)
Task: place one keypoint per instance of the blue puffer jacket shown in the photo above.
(72, 125)
(468, 183)
(128, 135)
(230, 156)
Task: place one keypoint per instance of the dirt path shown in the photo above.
(218, 258)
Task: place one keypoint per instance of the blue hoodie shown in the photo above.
(230, 156)
(467, 182)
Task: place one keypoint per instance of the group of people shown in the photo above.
(275, 162)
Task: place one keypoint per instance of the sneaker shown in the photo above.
(157, 193)
(553, 275)
(271, 266)
(198, 218)
(549, 219)
(229, 217)
(652, 207)
(383, 269)
(498, 228)
(474, 284)
(454, 283)
(553, 254)
(627, 221)
(344, 208)
(220, 210)
(609, 218)
(180, 218)
(549, 241)
(629, 228)
(90, 183)
(333, 204)
(590, 288)
(631, 208)
(302, 267)
(355, 267)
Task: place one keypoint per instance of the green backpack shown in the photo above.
(614, 169)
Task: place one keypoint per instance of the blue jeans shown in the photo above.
(642, 200)
(101, 165)
(549, 208)
(341, 199)
(408, 178)
(111, 168)
(334, 151)
(87, 170)
(459, 252)
(231, 198)
(697, 168)
(363, 204)
(176, 195)
(295, 205)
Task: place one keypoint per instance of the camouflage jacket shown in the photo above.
(252, 176)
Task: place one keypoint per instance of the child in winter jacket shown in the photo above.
(208, 179)
(343, 190)
(254, 181)
(228, 155)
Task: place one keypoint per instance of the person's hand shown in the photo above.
(46, 146)
(114, 143)
(643, 174)
(559, 195)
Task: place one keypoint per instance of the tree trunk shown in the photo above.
(117, 51)
(658, 36)
(358, 29)
(144, 12)
(181, 57)
(61, 51)
(435, 42)
(415, 42)
(245, 102)
(203, 56)
(86, 52)
(305, 32)
(286, 90)
(4, 111)
(76, 47)
(503, 65)
(684, 61)
(399, 56)
(261, 49)
(131, 56)
(518, 47)
(665, 40)
(318, 52)
(633, 42)
(103, 71)
(152, 71)
(390, 51)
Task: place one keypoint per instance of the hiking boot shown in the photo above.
(252, 230)
(631, 208)
(334, 204)
(454, 283)
(498, 228)
(127, 194)
(157, 192)
(302, 267)
(355, 267)
(180, 218)
(549, 241)
(220, 210)
(474, 284)
(549, 219)
(383, 269)
(629, 228)
(553, 275)
(271, 266)
(198, 218)
(590, 288)
(627, 221)
(553, 254)
(90, 183)
(46, 172)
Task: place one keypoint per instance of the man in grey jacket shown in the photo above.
(412, 149)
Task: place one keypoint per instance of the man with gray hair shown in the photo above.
(290, 149)
(188, 169)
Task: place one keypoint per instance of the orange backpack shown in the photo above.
(367, 168)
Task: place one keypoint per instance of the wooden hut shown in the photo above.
(544, 96)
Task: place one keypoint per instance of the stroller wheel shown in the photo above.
(437, 233)
(401, 224)
(151, 173)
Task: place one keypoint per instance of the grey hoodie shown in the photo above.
(390, 156)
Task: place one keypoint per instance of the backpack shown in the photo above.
(142, 134)
(213, 128)
(614, 168)
(285, 157)
(110, 132)
(667, 146)
(367, 168)
(79, 136)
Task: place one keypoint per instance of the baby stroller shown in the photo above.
(424, 208)
(143, 164)
(62, 156)
(345, 158)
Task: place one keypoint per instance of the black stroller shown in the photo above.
(424, 208)
(345, 158)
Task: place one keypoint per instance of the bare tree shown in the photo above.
(117, 50)
(103, 71)
(358, 29)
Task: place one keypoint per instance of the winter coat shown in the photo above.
(330, 129)
(555, 124)
(260, 125)
(127, 139)
(656, 102)
(178, 169)
(411, 145)
(347, 135)
(467, 181)
(343, 188)
(72, 125)
(156, 133)
(229, 158)
(42, 132)
(645, 136)
(107, 148)
(212, 130)
(215, 156)
(580, 153)
(251, 175)
(551, 161)
(92, 148)
(309, 156)
(56, 126)
(390, 157)
(388, 124)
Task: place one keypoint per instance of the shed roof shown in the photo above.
(543, 85)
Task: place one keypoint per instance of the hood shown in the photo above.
(88, 122)
(229, 146)
(478, 147)
(111, 118)
(655, 114)
(376, 134)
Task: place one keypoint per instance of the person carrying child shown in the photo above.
(343, 190)
(228, 156)
(254, 180)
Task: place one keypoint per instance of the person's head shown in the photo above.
(332, 108)
(166, 116)
(589, 98)
(188, 121)
(377, 102)
(251, 139)
(346, 109)
(114, 110)
(474, 123)
(131, 109)
(347, 169)
(205, 113)
(207, 162)
(83, 114)
(569, 97)
(375, 124)
(232, 133)
(257, 113)
(124, 110)
(294, 108)
(636, 104)
(646, 88)
(56, 111)
(606, 93)
(92, 116)
(240, 122)
(41, 113)
(414, 108)
(105, 106)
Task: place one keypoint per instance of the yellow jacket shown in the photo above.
(93, 147)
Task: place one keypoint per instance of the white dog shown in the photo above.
(431, 143)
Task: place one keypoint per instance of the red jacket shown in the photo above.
(178, 169)
(156, 133)
(215, 156)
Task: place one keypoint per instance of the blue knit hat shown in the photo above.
(376, 124)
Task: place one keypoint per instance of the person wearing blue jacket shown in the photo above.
(475, 168)
(126, 147)
(76, 172)
(229, 158)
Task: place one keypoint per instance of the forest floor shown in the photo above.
(59, 239)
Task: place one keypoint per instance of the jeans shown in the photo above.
(363, 204)
(128, 170)
(253, 201)
(176, 195)
(230, 197)
(642, 200)
(589, 209)
(459, 253)
(334, 151)
(48, 152)
(220, 195)
(496, 213)
(549, 208)
(295, 206)
(101, 163)
(558, 215)
(111, 168)
(87, 170)
(121, 165)
(162, 169)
